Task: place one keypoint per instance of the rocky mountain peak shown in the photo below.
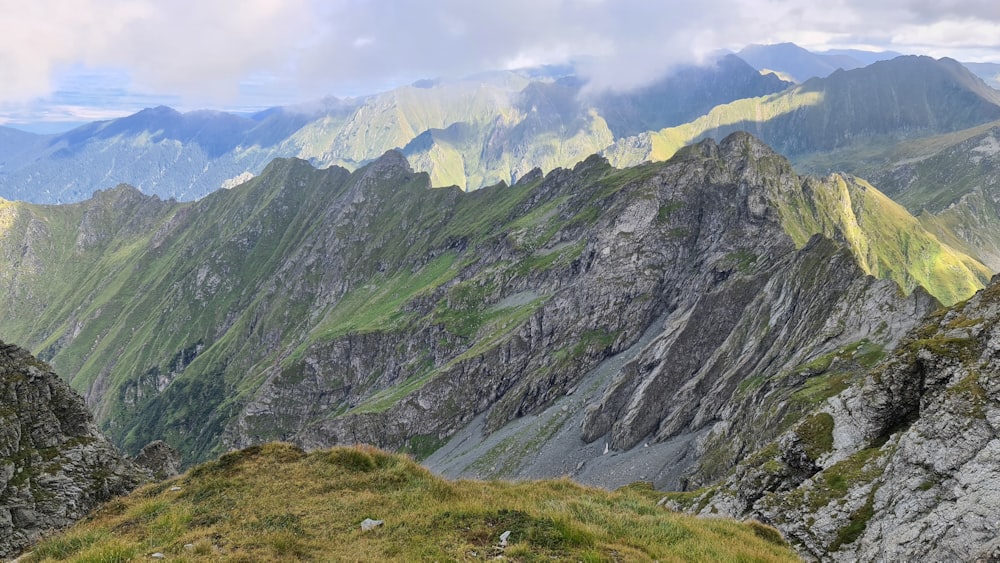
(391, 161)
(122, 193)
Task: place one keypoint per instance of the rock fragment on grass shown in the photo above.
(368, 524)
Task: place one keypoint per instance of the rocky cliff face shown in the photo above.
(899, 466)
(735, 311)
(55, 465)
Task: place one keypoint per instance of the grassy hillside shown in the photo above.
(887, 241)
(949, 181)
(275, 502)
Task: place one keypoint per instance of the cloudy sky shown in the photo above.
(66, 60)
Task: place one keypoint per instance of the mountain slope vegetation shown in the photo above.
(949, 181)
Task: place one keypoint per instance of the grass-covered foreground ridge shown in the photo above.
(275, 502)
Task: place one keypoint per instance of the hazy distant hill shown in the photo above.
(683, 96)
(170, 154)
(874, 106)
(790, 60)
(799, 64)
(989, 72)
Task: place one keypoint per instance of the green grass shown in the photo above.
(386, 398)
(857, 523)
(836, 481)
(275, 502)
(378, 304)
(887, 241)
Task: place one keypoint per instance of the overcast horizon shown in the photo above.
(64, 62)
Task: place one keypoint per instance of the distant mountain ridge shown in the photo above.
(799, 64)
(497, 127)
(882, 104)
(468, 133)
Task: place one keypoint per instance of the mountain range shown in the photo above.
(499, 126)
(242, 298)
(472, 329)
(796, 64)
(615, 287)
(469, 133)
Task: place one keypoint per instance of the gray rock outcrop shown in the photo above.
(55, 465)
(901, 466)
(716, 315)
(159, 459)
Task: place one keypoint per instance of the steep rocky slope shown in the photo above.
(55, 465)
(899, 466)
(326, 306)
(743, 310)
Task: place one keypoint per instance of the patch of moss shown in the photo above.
(749, 384)
(970, 389)
(423, 445)
(835, 481)
(961, 321)
(666, 210)
(857, 523)
(743, 260)
(816, 433)
(961, 349)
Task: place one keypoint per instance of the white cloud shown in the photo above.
(203, 49)
(194, 47)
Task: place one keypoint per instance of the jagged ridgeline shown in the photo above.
(849, 116)
(324, 306)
